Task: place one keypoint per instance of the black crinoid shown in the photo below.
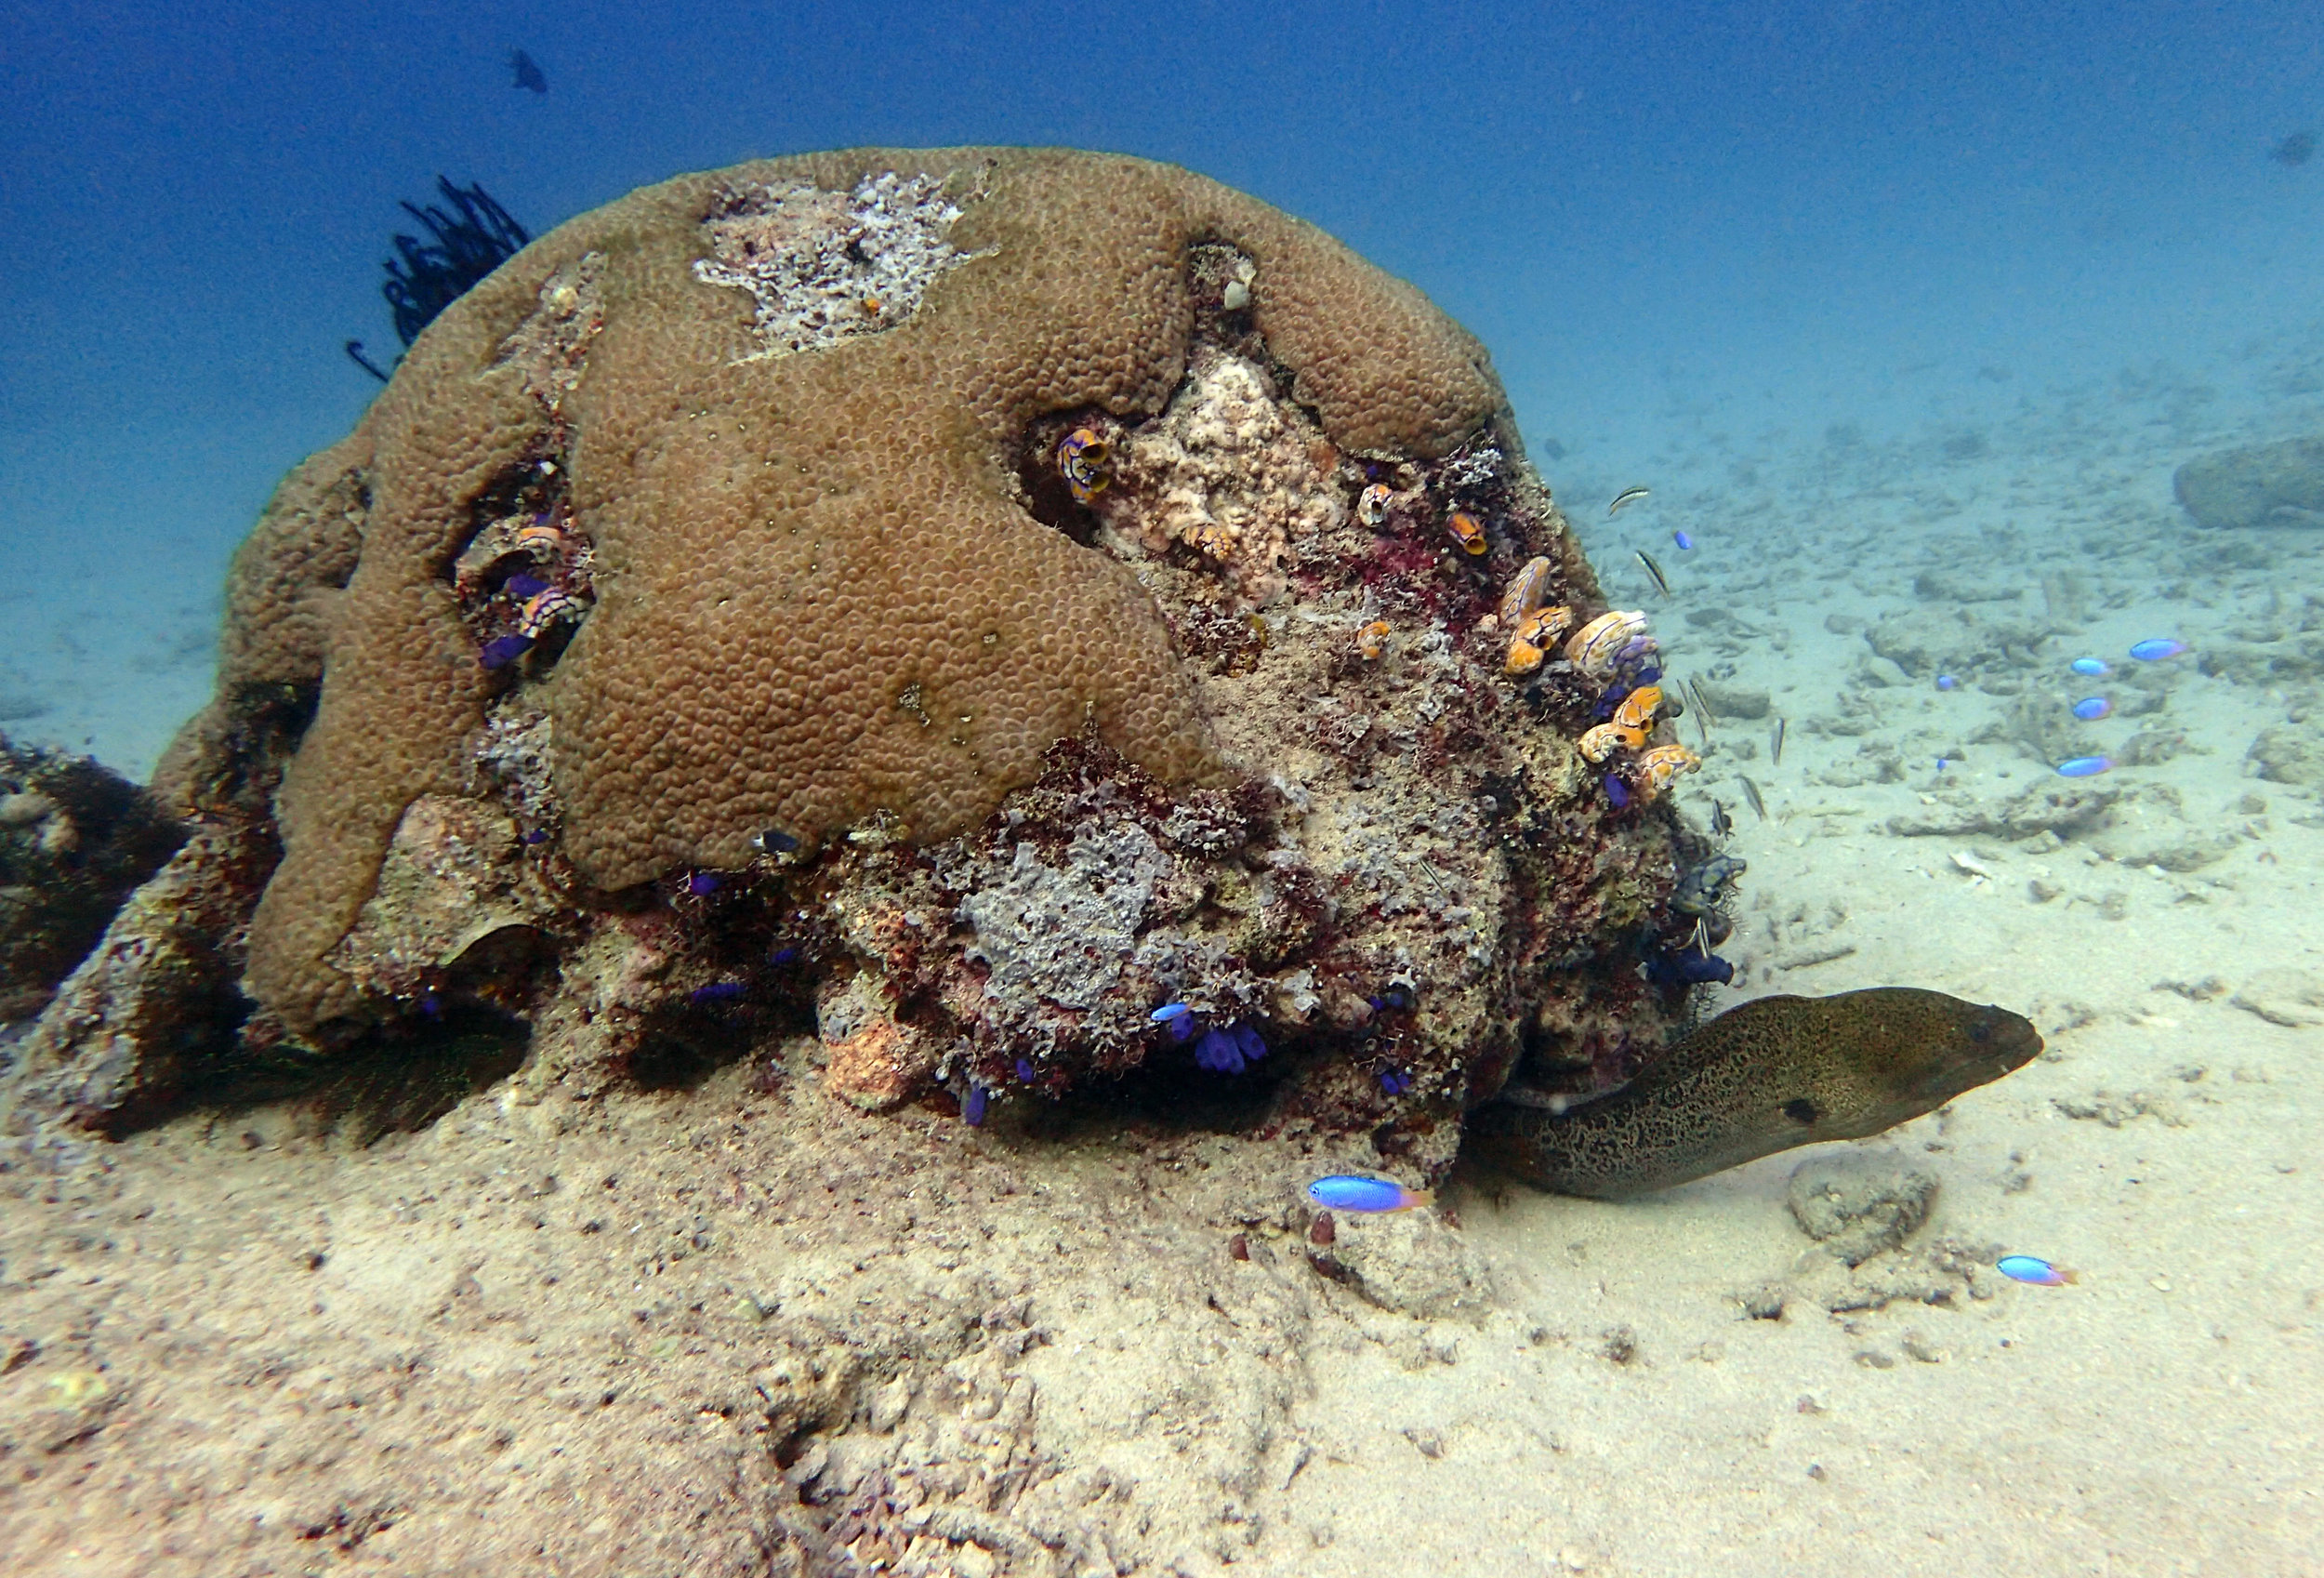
(467, 240)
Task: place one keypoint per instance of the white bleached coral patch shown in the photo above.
(826, 266)
(1229, 471)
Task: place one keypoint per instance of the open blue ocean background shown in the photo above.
(1668, 222)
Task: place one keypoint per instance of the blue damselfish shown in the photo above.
(2033, 1268)
(1350, 1191)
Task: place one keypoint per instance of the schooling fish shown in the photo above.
(2158, 648)
(1350, 1191)
(1774, 745)
(2033, 1268)
(1683, 541)
(2084, 766)
(2090, 709)
(2093, 666)
(1655, 570)
(1627, 496)
(1750, 793)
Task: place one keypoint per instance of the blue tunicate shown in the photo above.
(702, 884)
(504, 650)
(972, 1109)
(2084, 766)
(2154, 651)
(1025, 1069)
(538, 835)
(2090, 709)
(2089, 665)
(1394, 1082)
(1682, 539)
(522, 587)
(1217, 1052)
(1616, 792)
(781, 956)
(1688, 967)
(1168, 1012)
(1184, 1026)
(1946, 681)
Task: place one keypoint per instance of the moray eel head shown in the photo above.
(1774, 1073)
(1867, 1061)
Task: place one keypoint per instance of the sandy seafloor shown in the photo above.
(427, 1392)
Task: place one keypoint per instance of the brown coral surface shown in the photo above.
(817, 596)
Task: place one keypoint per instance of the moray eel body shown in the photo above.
(1774, 1073)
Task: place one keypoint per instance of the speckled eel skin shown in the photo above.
(1771, 1074)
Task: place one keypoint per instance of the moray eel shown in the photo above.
(1774, 1073)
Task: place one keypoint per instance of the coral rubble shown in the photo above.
(965, 601)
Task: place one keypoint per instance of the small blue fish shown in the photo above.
(2158, 649)
(972, 1109)
(2084, 766)
(2033, 1268)
(2089, 665)
(2090, 709)
(1349, 1191)
(1946, 681)
(1682, 539)
(1168, 1012)
(1943, 762)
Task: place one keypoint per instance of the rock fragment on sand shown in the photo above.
(1858, 1204)
(1412, 1262)
(2293, 999)
(2263, 484)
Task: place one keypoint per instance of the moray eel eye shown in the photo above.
(1801, 1110)
(1981, 1030)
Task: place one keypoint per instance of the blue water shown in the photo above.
(1662, 220)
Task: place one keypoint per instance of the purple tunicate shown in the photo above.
(702, 884)
(1025, 1069)
(1946, 681)
(717, 991)
(781, 956)
(538, 835)
(524, 586)
(972, 1109)
(1616, 792)
(1394, 1082)
(1183, 1026)
(504, 650)
(1248, 1042)
(1221, 1052)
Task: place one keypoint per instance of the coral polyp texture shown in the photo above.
(968, 601)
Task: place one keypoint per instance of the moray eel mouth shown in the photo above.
(1761, 1077)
